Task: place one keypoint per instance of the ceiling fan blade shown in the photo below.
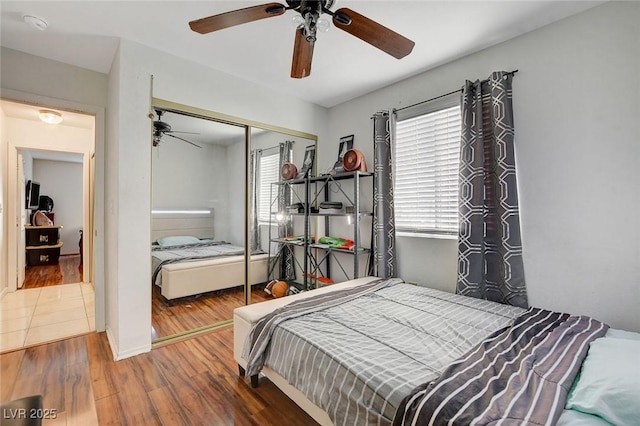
(183, 140)
(180, 131)
(302, 55)
(373, 33)
(236, 17)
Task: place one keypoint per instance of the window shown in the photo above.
(268, 173)
(427, 152)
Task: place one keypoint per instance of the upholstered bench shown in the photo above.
(245, 317)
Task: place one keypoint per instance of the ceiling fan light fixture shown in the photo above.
(310, 26)
(49, 116)
(297, 21)
(323, 25)
(307, 26)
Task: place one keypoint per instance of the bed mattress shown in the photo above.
(161, 256)
(378, 347)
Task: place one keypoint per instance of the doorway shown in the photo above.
(48, 293)
(54, 224)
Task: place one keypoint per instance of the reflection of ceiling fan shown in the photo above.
(310, 12)
(160, 128)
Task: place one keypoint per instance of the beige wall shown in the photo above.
(576, 109)
(37, 80)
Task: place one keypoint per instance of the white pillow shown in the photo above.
(622, 334)
(609, 382)
(578, 418)
(177, 240)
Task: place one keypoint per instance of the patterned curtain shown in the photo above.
(256, 154)
(384, 229)
(285, 227)
(489, 248)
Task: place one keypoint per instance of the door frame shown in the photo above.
(93, 194)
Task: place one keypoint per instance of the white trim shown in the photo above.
(117, 356)
(113, 343)
(426, 235)
(181, 211)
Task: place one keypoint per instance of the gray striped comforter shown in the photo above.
(520, 375)
(357, 360)
(171, 254)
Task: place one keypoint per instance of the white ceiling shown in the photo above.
(69, 118)
(86, 33)
(30, 112)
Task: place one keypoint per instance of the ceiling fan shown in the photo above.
(347, 20)
(161, 128)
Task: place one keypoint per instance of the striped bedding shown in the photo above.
(519, 375)
(358, 359)
(206, 250)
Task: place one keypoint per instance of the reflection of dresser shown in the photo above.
(43, 244)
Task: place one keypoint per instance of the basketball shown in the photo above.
(288, 171)
(279, 289)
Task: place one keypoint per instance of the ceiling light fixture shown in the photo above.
(35, 22)
(50, 117)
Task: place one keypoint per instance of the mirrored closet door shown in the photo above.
(276, 201)
(207, 238)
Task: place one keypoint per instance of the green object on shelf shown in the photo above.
(335, 242)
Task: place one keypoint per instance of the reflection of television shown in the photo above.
(33, 195)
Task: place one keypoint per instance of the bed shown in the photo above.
(187, 260)
(420, 363)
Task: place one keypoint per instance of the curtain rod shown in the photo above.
(268, 149)
(446, 94)
(273, 147)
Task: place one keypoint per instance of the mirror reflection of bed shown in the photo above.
(198, 278)
(198, 198)
(188, 180)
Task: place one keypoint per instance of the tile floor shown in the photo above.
(38, 315)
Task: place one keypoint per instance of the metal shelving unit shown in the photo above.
(318, 258)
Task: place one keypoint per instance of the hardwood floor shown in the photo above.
(60, 373)
(193, 382)
(169, 317)
(67, 271)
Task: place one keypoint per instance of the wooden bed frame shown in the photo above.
(195, 277)
(245, 317)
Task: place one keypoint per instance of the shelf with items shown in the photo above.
(288, 212)
(302, 211)
(327, 189)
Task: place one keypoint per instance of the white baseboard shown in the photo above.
(117, 355)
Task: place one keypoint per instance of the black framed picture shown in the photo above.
(346, 143)
(307, 166)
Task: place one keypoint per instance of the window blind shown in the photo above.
(268, 173)
(427, 152)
